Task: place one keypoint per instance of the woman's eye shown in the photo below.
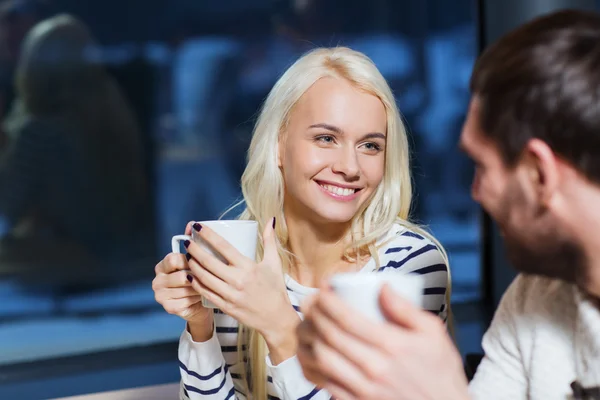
(325, 139)
(372, 146)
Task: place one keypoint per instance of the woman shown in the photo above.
(75, 155)
(328, 180)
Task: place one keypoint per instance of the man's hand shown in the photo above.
(410, 357)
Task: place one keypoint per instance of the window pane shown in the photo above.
(128, 119)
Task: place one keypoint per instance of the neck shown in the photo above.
(318, 250)
(585, 223)
(592, 257)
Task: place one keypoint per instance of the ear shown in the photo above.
(543, 169)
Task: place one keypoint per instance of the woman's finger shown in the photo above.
(208, 262)
(171, 263)
(173, 280)
(167, 294)
(178, 306)
(211, 282)
(188, 227)
(209, 295)
(222, 246)
(180, 293)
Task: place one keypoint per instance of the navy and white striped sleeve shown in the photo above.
(290, 384)
(412, 253)
(204, 372)
(286, 380)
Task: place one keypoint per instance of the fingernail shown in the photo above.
(188, 256)
(274, 220)
(189, 278)
(186, 243)
(197, 227)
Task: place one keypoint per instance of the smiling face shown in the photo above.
(332, 154)
(535, 239)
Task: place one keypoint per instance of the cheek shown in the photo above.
(373, 168)
(511, 209)
(304, 160)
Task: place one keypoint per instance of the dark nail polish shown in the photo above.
(189, 278)
(186, 243)
(274, 220)
(197, 227)
(188, 256)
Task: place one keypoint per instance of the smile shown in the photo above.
(338, 192)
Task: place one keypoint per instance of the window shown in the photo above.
(105, 160)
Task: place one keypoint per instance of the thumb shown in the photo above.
(400, 311)
(270, 252)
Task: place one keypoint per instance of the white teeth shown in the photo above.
(338, 190)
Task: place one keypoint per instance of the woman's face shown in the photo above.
(332, 154)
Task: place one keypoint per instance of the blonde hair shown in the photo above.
(263, 186)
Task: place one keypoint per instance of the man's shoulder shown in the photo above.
(528, 345)
(529, 295)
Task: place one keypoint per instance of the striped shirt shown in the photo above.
(211, 369)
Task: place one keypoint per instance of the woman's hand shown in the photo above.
(175, 289)
(252, 293)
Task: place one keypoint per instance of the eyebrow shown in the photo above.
(332, 128)
(328, 127)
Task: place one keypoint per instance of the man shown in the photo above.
(533, 130)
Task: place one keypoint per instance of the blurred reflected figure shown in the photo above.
(72, 186)
(17, 17)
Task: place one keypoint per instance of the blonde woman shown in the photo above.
(328, 181)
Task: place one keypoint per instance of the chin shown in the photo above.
(556, 259)
(334, 217)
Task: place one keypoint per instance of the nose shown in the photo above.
(347, 164)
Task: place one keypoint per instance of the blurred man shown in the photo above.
(533, 131)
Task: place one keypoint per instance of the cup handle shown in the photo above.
(175, 247)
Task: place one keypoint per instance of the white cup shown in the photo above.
(240, 234)
(361, 290)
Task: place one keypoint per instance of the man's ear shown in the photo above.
(543, 169)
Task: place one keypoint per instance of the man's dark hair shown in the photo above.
(542, 80)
